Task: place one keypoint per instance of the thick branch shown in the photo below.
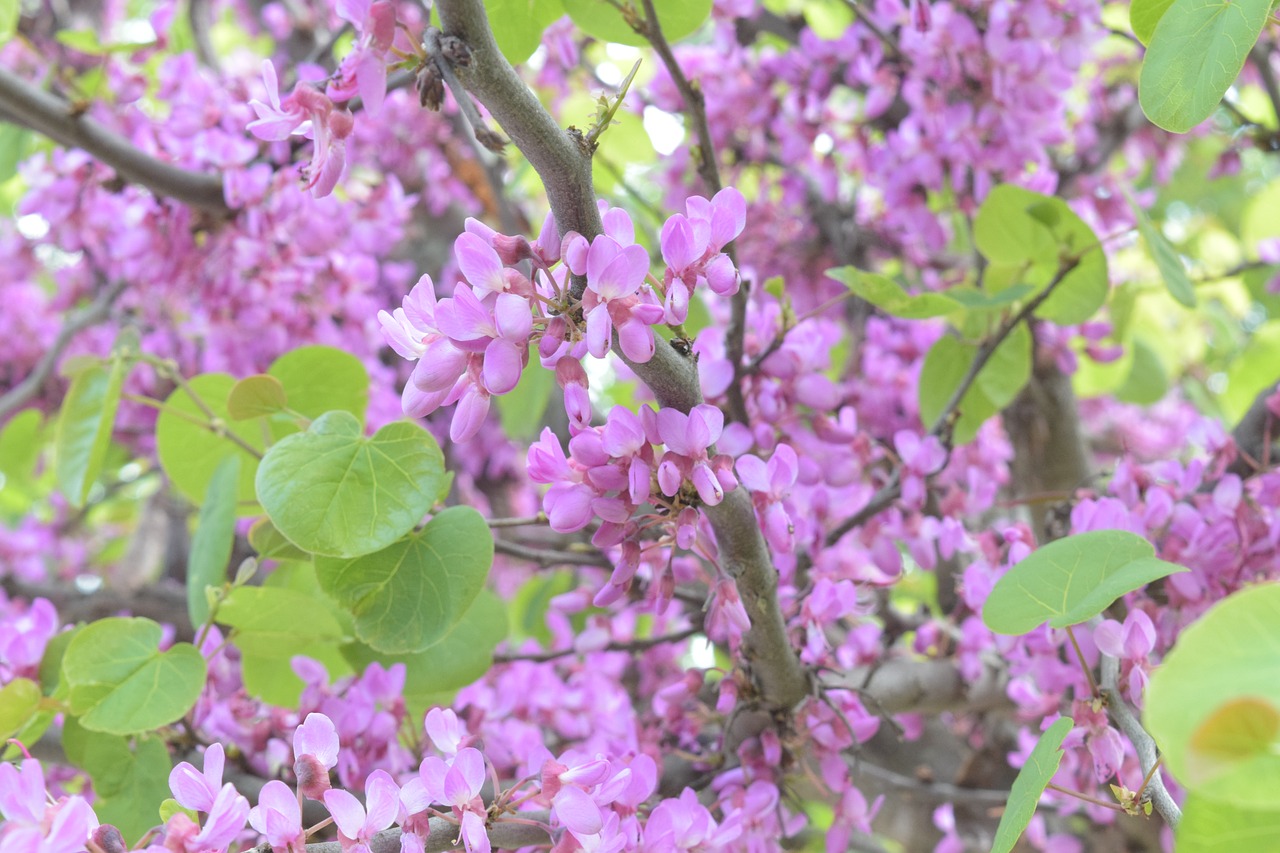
(59, 120)
(503, 835)
(564, 165)
(1254, 435)
(923, 687)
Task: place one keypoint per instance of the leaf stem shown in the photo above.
(1088, 673)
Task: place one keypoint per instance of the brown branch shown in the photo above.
(695, 105)
(563, 163)
(1255, 433)
(93, 314)
(61, 122)
(616, 646)
(1148, 754)
(443, 837)
(923, 687)
(546, 557)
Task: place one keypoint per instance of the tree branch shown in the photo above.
(563, 162)
(1142, 741)
(443, 837)
(1254, 435)
(91, 315)
(923, 687)
(616, 646)
(546, 557)
(60, 121)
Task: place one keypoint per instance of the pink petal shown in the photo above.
(503, 363)
(577, 811)
(347, 812)
(479, 263)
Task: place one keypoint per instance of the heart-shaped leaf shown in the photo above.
(256, 396)
(1072, 580)
(408, 595)
(19, 701)
(214, 538)
(122, 683)
(84, 428)
(190, 453)
(129, 781)
(332, 491)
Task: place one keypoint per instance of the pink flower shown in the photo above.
(315, 745)
(356, 826)
(197, 790)
(278, 818)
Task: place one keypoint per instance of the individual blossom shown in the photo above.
(457, 784)
(357, 824)
(315, 747)
(921, 459)
(305, 112)
(363, 71)
(770, 484)
(197, 790)
(278, 818)
(688, 439)
(226, 818)
(692, 248)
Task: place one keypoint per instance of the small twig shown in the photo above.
(1088, 799)
(61, 122)
(1143, 743)
(1088, 672)
(95, 313)
(485, 135)
(889, 43)
(616, 646)
(519, 521)
(1261, 58)
(545, 557)
(936, 791)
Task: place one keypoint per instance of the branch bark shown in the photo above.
(563, 161)
(1142, 741)
(59, 120)
(923, 687)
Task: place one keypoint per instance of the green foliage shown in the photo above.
(319, 379)
(256, 396)
(1213, 706)
(1032, 779)
(1028, 238)
(1252, 371)
(891, 297)
(1166, 258)
(190, 451)
(130, 779)
(1195, 53)
(20, 445)
(84, 428)
(518, 25)
(214, 538)
(407, 596)
(271, 544)
(1144, 15)
(1214, 826)
(996, 385)
(332, 491)
(521, 411)
(19, 702)
(272, 624)
(678, 18)
(121, 683)
(1072, 580)
(452, 662)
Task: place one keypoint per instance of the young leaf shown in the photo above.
(407, 596)
(1144, 15)
(121, 683)
(1072, 580)
(1196, 52)
(19, 701)
(332, 491)
(256, 396)
(215, 535)
(84, 428)
(318, 379)
(129, 782)
(271, 544)
(678, 18)
(1166, 258)
(190, 453)
(1223, 674)
(890, 297)
(1032, 779)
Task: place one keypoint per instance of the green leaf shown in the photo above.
(1032, 779)
(271, 543)
(20, 448)
(19, 701)
(84, 428)
(945, 366)
(1196, 52)
(1009, 368)
(129, 782)
(1166, 258)
(1217, 826)
(521, 411)
(122, 683)
(1251, 372)
(190, 453)
(408, 595)
(256, 396)
(271, 626)
(171, 807)
(518, 25)
(214, 538)
(1072, 580)
(15, 140)
(1144, 15)
(455, 660)
(678, 18)
(332, 491)
(891, 297)
(1027, 236)
(319, 379)
(1147, 382)
(1231, 653)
